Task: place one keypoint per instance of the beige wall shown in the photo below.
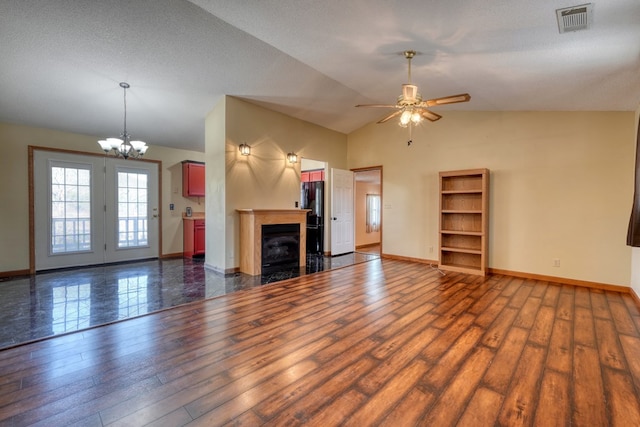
(310, 164)
(561, 183)
(215, 175)
(561, 187)
(14, 224)
(263, 180)
(362, 237)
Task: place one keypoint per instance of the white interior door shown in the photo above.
(342, 212)
(92, 210)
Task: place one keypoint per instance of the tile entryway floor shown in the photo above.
(59, 302)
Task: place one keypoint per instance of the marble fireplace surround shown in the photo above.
(251, 221)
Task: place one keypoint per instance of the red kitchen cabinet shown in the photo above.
(312, 176)
(192, 179)
(193, 237)
(315, 176)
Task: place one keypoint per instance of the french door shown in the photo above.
(93, 210)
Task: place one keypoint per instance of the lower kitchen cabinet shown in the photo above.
(193, 237)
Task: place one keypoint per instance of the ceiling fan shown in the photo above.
(410, 106)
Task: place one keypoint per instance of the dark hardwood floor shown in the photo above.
(379, 343)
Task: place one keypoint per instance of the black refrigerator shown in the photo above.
(312, 197)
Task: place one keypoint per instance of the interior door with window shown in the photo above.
(68, 204)
(93, 210)
(132, 218)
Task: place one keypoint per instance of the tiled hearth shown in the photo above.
(59, 302)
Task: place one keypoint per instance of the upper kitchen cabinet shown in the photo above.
(312, 175)
(192, 179)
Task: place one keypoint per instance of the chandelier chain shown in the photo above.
(125, 112)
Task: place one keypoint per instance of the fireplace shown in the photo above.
(280, 246)
(251, 229)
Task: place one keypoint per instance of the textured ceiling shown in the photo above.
(62, 60)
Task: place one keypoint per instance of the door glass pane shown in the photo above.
(70, 198)
(132, 210)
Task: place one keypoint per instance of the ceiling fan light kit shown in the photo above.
(409, 116)
(410, 106)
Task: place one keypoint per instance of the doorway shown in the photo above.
(313, 192)
(368, 209)
(90, 210)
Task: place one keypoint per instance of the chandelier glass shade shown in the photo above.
(124, 147)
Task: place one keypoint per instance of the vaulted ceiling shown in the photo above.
(61, 60)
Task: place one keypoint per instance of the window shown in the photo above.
(70, 204)
(373, 213)
(132, 209)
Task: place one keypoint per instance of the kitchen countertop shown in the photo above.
(194, 215)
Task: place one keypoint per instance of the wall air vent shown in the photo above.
(575, 18)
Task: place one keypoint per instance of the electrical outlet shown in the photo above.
(430, 249)
(296, 203)
(556, 262)
(171, 206)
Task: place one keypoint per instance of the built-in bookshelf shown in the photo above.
(464, 220)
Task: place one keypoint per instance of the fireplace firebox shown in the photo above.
(280, 246)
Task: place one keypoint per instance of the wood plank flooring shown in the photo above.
(384, 343)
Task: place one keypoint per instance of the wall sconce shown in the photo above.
(292, 157)
(245, 149)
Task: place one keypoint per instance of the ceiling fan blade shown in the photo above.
(463, 97)
(390, 116)
(430, 115)
(378, 105)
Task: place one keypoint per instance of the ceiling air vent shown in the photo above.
(574, 18)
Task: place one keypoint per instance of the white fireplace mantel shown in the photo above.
(251, 221)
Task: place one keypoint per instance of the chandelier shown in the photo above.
(123, 146)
